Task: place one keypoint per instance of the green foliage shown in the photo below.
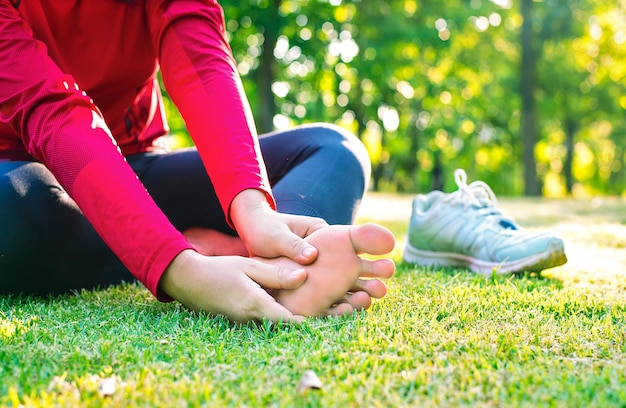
(430, 87)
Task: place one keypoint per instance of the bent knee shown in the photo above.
(341, 143)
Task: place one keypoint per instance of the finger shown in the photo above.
(274, 276)
(314, 225)
(296, 248)
(305, 226)
(372, 239)
(380, 268)
(373, 287)
(275, 312)
(266, 307)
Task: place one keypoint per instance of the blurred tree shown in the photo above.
(521, 97)
(580, 87)
(529, 110)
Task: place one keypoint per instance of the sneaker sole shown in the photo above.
(553, 256)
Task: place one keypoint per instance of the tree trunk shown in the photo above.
(529, 111)
(438, 180)
(570, 130)
(412, 165)
(267, 71)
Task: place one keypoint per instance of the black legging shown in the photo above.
(47, 245)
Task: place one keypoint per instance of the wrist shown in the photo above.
(247, 203)
(172, 280)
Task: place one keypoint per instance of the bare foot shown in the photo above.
(211, 242)
(334, 283)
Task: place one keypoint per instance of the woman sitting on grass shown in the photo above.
(89, 190)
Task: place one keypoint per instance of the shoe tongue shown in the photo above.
(481, 194)
(486, 199)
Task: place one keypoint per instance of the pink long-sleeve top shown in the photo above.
(78, 91)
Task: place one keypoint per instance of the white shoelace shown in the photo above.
(480, 195)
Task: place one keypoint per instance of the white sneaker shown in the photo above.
(467, 229)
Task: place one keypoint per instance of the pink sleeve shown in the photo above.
(60, 126)
(200, 74)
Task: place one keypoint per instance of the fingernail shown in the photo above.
(296, 273)
(308, 251)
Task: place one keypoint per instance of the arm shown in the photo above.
(200, 75)
(59, 125)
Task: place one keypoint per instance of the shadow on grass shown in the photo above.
(525, 281)
(125, 298)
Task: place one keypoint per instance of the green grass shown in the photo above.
(441, 337)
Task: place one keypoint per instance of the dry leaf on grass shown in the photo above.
(309, 380)
(106, 388)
